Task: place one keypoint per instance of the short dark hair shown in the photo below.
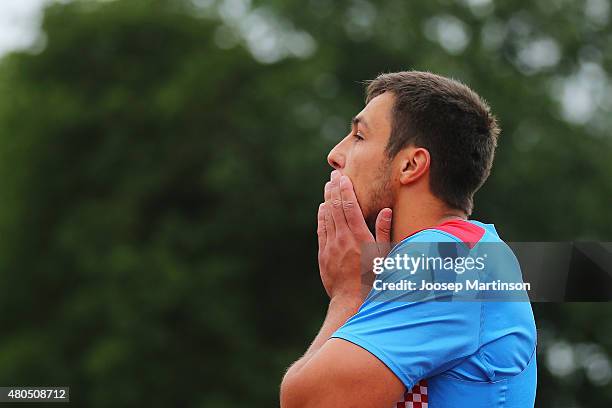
(448, 119)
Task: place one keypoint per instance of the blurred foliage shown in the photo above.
(162, 163)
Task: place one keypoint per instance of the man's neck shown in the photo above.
(414, 216)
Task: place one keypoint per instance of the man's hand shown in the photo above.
(346, 245)
(335, 372)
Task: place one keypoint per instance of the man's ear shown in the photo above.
(414, 163)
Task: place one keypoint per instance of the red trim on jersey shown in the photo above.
(415, 398)
(465, 231)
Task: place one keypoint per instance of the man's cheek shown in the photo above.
(361, 197)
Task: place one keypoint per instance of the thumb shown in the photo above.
(383, 226)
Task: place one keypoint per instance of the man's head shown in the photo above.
(418, 129)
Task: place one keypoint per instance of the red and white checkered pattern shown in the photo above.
(415, 398)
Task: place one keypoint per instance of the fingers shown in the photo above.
(336, 204)
(352, 211)
(330, 228)
(383, 225)
(321, 232)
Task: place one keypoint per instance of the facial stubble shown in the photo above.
(380, 196)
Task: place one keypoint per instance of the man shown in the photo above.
(408, 170)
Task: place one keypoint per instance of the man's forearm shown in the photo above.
(340, 309)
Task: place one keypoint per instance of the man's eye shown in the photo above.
(357, 136)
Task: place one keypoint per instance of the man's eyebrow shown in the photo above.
(356, 120)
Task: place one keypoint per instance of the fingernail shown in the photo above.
(343, 180)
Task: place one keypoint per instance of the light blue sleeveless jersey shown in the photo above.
(449, 354)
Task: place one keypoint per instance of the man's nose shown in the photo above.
(335, 158)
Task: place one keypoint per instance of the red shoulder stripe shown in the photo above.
(467, 232)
